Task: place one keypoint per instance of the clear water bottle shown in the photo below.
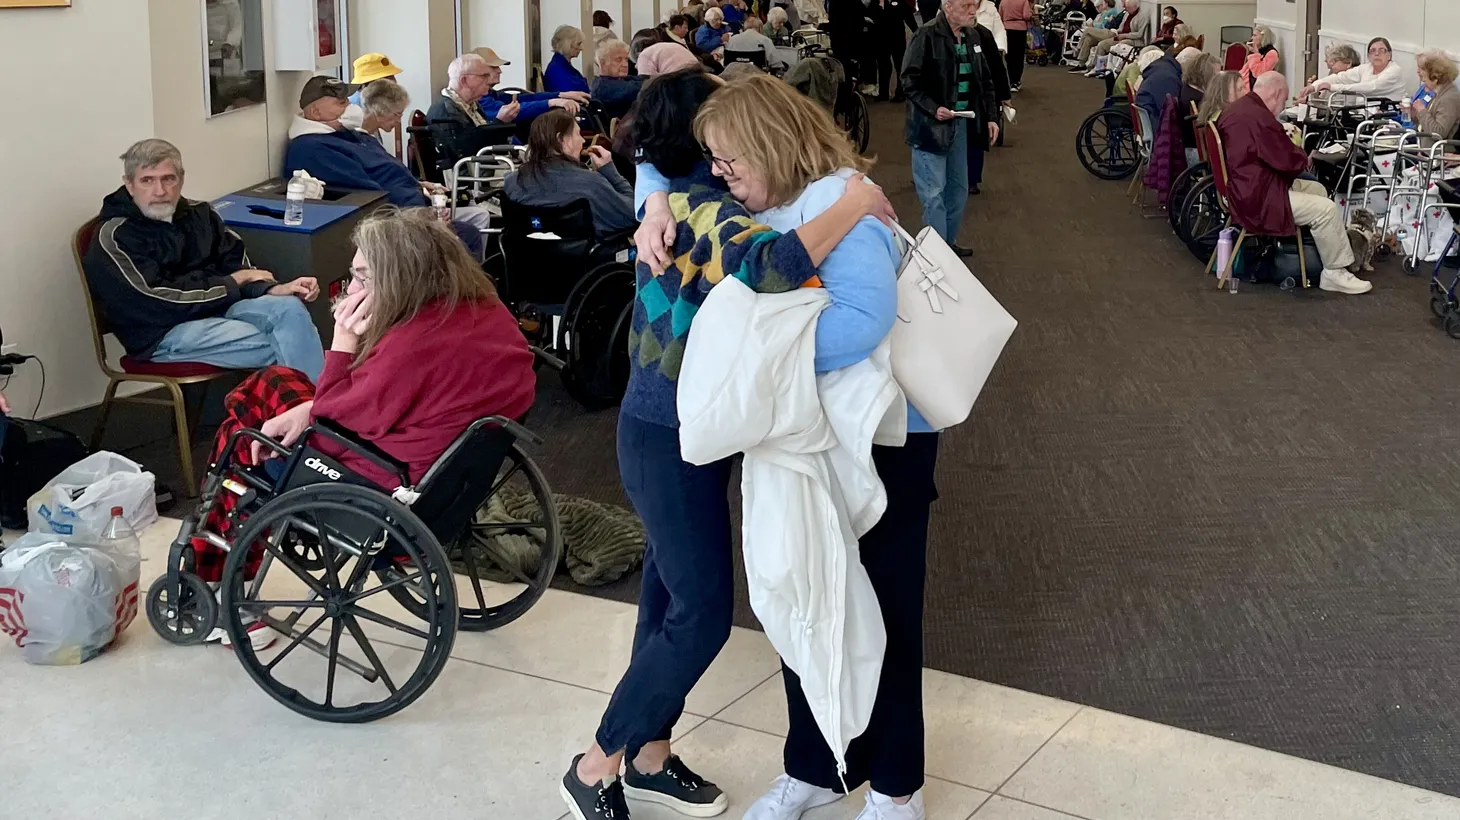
(441, 205)
(294, 205)
(119, 535)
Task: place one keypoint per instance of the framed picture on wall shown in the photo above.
(33, 4)
(233, 54)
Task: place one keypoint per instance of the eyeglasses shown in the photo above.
(724, 166)
(1375, 52)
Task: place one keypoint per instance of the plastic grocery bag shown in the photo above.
(64, 599)
(79, 501)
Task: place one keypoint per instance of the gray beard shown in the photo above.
(161, 213)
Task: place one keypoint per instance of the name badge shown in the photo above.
(978, 49)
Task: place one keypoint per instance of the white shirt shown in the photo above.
(1389, 83)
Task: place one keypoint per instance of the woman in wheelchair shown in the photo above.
(554, 175)
(686, 604)
(422, 348)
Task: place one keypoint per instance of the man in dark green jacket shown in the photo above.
(950, 100)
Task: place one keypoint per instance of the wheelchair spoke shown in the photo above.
(298, 639)
(384, 621)
(252, 604)
(502, 482)
(503, 563)
(299, 572)
(327, 553)
(401, 581)
(471, 572)
(329, 684)
(352, 624)
(509, 525)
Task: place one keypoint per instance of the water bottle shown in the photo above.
(441, 206)
(119, 535)
(1225, 241)
(294, 203)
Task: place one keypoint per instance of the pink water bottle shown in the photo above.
(1225, 241)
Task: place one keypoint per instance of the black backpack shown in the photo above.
(32, 454)
(1273, 261)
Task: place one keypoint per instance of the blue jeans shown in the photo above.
(942, 183)
(253, 333)
(688, 595)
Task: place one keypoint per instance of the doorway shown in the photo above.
(1312, 51)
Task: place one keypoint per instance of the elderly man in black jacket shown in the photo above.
(950, 100)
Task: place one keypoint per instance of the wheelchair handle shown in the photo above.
(352, 441)
(517, 430)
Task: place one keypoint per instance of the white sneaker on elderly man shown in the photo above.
(788, 799)
(881, 807)
(1341, 281)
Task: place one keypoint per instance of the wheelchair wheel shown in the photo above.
(189, 619)
(593, 336)
(1202, 219)
(1106, 144)
(508, 556)
(332, 611)
(1180, 187)
(852, 116)
(1452, 324)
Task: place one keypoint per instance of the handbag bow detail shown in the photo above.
(933, 281)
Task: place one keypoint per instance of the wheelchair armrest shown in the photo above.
(622, 240)
(516, 429)
(352, 441)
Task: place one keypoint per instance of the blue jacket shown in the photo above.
(617, 94)
(560, 75)
(353, 159)
(734, 18)
(708, 39)
(1160, 80)
(532, 104)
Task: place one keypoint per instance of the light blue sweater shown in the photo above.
(860, 275)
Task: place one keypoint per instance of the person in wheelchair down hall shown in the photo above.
(553, 175)
(470, 101)
(175, 283)
(687, 600)
(1267, 195)
(422, 348)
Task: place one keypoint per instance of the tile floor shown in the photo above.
(150, 728)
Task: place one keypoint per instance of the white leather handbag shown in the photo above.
(949, 332)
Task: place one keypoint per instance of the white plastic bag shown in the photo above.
(64, 599)
(79, 501)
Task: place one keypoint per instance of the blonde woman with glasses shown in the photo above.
(784, 158)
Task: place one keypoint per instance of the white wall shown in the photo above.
(556, 13)
(1287, 20)
(417, 35)
(1411, 26)
(81, 78)
(499, 25)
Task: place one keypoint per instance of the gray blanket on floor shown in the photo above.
(602, 542)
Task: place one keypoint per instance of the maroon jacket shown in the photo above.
(425, 382)
(1262, 163)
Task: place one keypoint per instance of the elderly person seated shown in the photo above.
(560, 74)
(1166, 36)
(499, 106)
(1196, 75)
(714, 33)
(554, 175)
(1379, 78)
(1266, 191)
(778, 27)
(1262, 56)
(460, 119)
(613, 88)
(1339, 58)
(176, 285)
(678, 29)
(368, 68)
(1134, 30)
(1160, 80)
(1435, 109)
(735, 13)
(751, 39)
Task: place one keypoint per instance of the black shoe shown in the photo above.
(960, 250)
(1079, 69)
(601, 801)
(676, 787)
(973, 190)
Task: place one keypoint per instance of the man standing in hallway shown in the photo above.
(950, 100)
(175, 283)
(1267, 195)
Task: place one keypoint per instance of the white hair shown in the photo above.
(468, 63)
(714, 15)
(1271, 79)
(777, 16)
(608, 48)
(384, 99)
(564, 37)
(150, 153)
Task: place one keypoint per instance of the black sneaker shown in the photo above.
(961, 251)
(676, 787)
(601, 801)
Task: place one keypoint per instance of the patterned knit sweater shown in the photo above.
(716, 238)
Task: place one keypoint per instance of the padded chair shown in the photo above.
(425, 160)
(755, 58)
(549, 248)
(1218, 158)
(170, 375)
(1236, 55)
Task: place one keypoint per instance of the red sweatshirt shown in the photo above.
(424, 383)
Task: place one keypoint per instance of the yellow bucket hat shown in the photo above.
(372, 67)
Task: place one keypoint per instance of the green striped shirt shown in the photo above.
(965, 78)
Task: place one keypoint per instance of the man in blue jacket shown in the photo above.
(499, 106)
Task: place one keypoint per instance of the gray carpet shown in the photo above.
(1232, 514)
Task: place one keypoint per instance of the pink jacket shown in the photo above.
(1258, 64)
(1016, 14)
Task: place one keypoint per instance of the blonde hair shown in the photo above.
(1438, 66)
(1214, 99)
(415, 260)
(1267, 38)
(565, 37)
(785, 136)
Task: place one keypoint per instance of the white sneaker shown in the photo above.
(1341, 281)
(260, 635)
(881, 807)
(788, 799)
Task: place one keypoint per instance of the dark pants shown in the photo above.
(1018, 45)
(687, 599)
(975, 162)
(928, 9)
(890, 752)
(889, 63)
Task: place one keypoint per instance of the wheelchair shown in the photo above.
(1107, 142)
(573, 294)
(849, 109)
(320, 543)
